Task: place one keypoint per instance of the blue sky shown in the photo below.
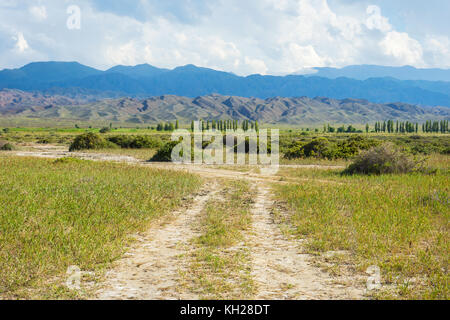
(244, 37)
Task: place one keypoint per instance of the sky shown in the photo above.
(240, 36)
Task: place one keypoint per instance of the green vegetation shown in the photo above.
(397, 222)
(386, 211)
(323, 148)
(384, 159)
(166, 126)
(164, 153)
(219, 269)
(6, 146)
(224, 125)
(90, 140)
(391, 126)
(136, 142)
(73, 212)
(345, 146)
(93, 141)
(105, 130)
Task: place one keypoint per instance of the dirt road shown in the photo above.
(152, 266)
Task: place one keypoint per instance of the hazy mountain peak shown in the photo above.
(364, 72)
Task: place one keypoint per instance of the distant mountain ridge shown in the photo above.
(72, 79)
(276, 110)
(364, 72)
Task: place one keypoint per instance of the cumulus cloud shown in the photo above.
(404, 49)
(21, 43)
(255, 66)
(38, 12)
(437, 51)
(244, 37)
(376, 21)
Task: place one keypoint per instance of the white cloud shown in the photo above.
(21, 43)
(256, 66)
(302, 57)
(38, 12)
(376, 21)
(404, 49)
(244, 37)
(437, 50)
(125, 54)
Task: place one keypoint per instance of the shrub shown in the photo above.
(295, 151)
(446, 151)
(3, 142)
(164, 154)
(6, 147)
(319, 148)
(323, 148)
(90, 140)
(105, 130)
(351, 146)
(43, 141)
(136, 142)
(384, 159)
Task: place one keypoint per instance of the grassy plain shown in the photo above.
(399, 223)
(58, 213)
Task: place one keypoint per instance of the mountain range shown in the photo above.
(372, 83)
(364, 72)
(293, 111)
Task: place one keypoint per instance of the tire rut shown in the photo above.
(151, 269)
(280, 270)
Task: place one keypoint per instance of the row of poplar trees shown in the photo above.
(223, 125)
(168, 126)
(408, 127)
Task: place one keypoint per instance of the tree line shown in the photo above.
(223, 125)
(391, 126)
(409, 127)
(169, 126)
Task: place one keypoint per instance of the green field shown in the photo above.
(58, 213)
(399, 223)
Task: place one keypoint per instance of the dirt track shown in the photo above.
(152, 266)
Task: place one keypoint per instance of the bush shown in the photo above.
(295, 151)
(105, 130)
(164, 154)
(90, 140)
(136, 142)
(43, 141)
(323, 148)
(6, 147)
(317, 148)
(352, 146)
(384, 159)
